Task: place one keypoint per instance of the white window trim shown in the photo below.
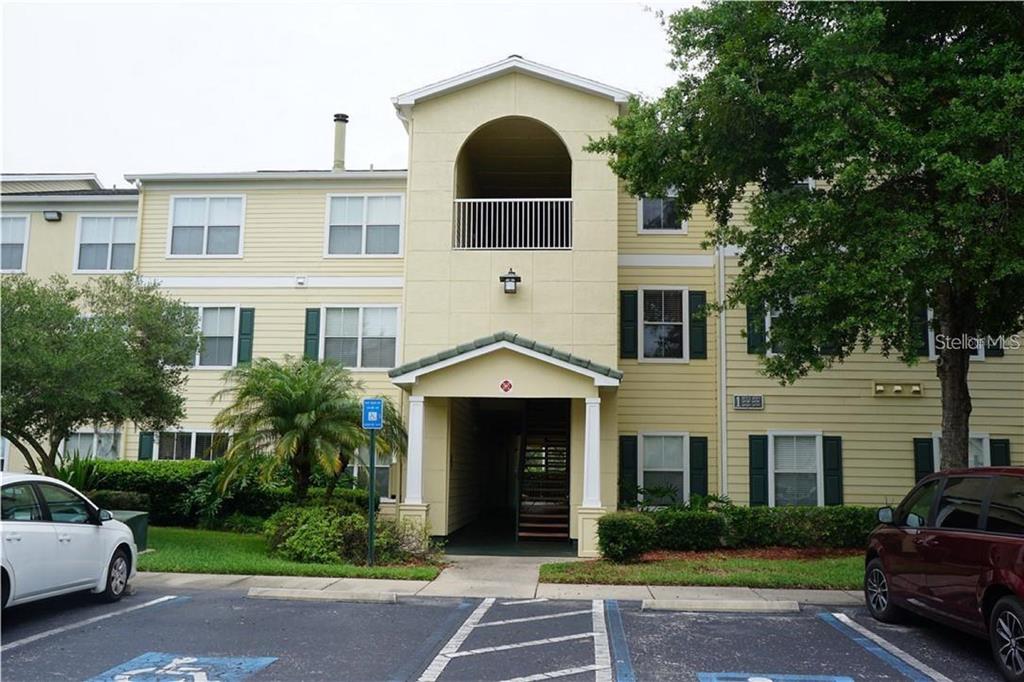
(359, 347)
(640, 324)
(820, 463)
(27, 217)
(684, 227)
(200, 307)
(768, 352)
(75, 270)
(193, 430)
(95, 434)
(5, 454)
(364, 196)
(986, 448)
(685, 435)
(933, 354)
(215, 256)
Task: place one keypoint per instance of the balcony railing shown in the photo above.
(513, 224)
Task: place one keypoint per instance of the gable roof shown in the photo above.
(601, 374)
(512, 64)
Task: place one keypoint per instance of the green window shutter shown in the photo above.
(628, 324)
(924, 458)
(758, 470)
(994, 348)
(999, 451)
(832, 454)
(756, 341)
(246, 322)
(698, 326)
(698, 465)
(627, 470)
(311, 349)
(146, 445)
(921, 329)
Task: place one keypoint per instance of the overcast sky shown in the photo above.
(136, 87)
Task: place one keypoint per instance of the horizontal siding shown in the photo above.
(633, 242)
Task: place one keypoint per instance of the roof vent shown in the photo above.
(515, 56)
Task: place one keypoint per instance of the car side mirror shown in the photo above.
(104, 515)
(886, 515)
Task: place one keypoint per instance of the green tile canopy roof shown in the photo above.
(510, 337)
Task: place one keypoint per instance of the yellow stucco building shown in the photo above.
(539, 327)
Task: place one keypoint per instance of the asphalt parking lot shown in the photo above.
(220, 634)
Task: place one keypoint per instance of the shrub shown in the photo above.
(688, 529)
(166, 483)
(402, 541)
(624, 536)
(81, 473)
(120, 499)
(832, 527)
(236, 523)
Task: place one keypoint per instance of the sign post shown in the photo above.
(373, 420)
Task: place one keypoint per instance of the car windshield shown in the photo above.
(915, 509)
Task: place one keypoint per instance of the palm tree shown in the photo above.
(296, 415)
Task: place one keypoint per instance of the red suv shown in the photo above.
(953, 551)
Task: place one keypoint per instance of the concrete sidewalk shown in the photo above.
(507, 577)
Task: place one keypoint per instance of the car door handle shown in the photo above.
(63, 537)
(13, 537)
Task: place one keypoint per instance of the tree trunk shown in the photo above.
(954, 362)
(301, 469)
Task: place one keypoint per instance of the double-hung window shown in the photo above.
(364, 225)
(218, 326)
(13, 243)
(660, 215)
(106, 243)
(663, 332)
(358, 468)
(206, 226)
(93, 444)
(937, 342)
(796, 478)
(190, 445)
(663, 468)
(978, 452)
(364, 337)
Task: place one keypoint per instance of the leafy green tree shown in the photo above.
(909, 118)
(124, 360)
(296, 416)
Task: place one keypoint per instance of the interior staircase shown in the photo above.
(544, 472)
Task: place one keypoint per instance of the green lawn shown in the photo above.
(837, 573)
(188, 550)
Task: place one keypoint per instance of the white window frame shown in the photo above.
(381, 463)
(933, 355)
(365, 196)
(684, 225)
(640, 324)
(27, 217)
(192, 430)
(685, 435)
(768, 351)
(820, 463)
(110, 253)
(206, 227)
(5, 454)
(95, 435)
(359, 346)
(986, 447)
(200, 307)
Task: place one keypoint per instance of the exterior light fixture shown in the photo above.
(52, 216)
(510, 280)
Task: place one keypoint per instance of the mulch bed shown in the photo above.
(760, 553)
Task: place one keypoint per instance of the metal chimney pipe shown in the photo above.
(340, 124)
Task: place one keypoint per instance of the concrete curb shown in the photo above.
(322, 595)
(722, 605)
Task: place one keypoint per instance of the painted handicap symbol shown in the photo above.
(768, 677)
(154, 666)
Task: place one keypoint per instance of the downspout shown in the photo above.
(723, 411)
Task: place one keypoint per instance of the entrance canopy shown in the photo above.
(505, 365)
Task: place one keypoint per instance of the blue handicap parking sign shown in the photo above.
(373, 413)
(154, 666)
(768, 677)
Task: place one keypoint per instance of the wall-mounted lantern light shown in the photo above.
(52, 216)
(510, 280)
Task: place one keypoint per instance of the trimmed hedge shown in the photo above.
(688, 529)
(126, 500)
(624, 536)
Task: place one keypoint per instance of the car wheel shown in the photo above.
(1006, 633)
(878, 596)
(117, 577)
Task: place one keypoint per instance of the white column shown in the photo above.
(414, 456)
(592, 454)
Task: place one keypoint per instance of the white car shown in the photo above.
(56, 541)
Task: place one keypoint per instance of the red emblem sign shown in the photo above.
(505, 385)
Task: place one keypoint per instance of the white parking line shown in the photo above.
(528, 619)
(521, 645)
(523, 601)
(552, 675)
(891, 648)
(88, 621)
(602, 650)
(443, 657)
